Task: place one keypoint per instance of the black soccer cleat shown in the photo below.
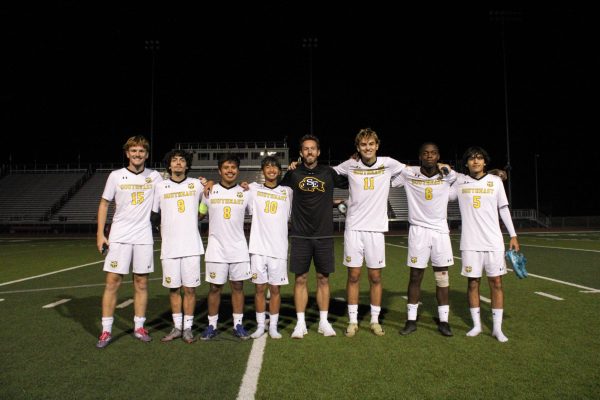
(444, 329)
(409, 328)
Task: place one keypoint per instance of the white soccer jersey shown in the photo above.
(226, 240)
(270, 208)
(479, 201)
(369, 189)
(133, 194)
(427, 198)
(178, 206)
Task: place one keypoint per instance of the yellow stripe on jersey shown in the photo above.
(378, 171)
(427, 182)
(226, 201)
(271, 195)
(135, 187)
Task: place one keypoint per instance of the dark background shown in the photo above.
(76, 82)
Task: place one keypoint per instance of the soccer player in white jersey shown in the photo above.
(270, 205)
(481, 199)
(177, 200)
(226, 255)
(366, 221)
(427, 192)
(130, 240)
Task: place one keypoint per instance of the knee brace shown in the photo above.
(442, 279)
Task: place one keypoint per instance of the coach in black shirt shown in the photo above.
(312, 230)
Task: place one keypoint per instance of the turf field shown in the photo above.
(552, 320)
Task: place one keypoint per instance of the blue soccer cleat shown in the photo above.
(518, 262)
(208, 333)
(240, 332)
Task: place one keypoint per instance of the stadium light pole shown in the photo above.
(502, 17)
(537, 193)
(310, 43)
(153, 46)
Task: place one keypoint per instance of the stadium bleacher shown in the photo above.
(29, 196)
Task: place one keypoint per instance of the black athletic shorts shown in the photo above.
(304, 250)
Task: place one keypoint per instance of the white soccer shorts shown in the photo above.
(361, 246)
(425, 244)
(121, 255)
(219, 273)
(181, 271)
(269, 270)
(473, 263)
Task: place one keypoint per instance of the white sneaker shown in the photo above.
(326, 329)
(258, 332)
(299, 331)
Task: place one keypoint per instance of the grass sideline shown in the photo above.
(552, 351)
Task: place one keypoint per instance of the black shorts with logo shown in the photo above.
(320, 251)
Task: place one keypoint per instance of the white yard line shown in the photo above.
(125, 303)
(533, 275)
(51, 273)
(250, 379)
(1, 299)
(55, 272)
(66, 287)
(56, 303)
(550, 296)
(589, 291)
(561, 248)
(485, 299)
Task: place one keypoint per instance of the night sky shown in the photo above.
(76, 82)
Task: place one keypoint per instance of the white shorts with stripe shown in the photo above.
(269, 270)
(121, 255)
(474, 262)
(425, 244)
(181, 271)
(219, 273)
(363, 246)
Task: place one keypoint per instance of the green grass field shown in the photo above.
(553, 351)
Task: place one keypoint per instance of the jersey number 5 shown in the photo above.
(476, 201)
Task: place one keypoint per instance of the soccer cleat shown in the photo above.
(474, 332)
(142, 334)
(518, 262)
(174, 334)
(240, 332)
(409, 327)
(299, 331)
(104, 340)
(444, 329)
(188, 336)
(377, 329)
(209, 333)
(326, 329)
(351, 330)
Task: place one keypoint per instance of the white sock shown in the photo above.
(107, 323)
(213, 319)
(300, 317)
(353, 313)
(237, 319)
(375, 310)
(177, 320)
(412, 311)
(443, 312)
(497, 314)
(188, 321)
(139, 322)
(323, 316)
(273, 322)
(476, 316)
(260, 319)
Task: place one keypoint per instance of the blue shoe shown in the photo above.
(208, 333)
(518, 262)
(240, 332)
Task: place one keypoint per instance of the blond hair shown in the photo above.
(137, 141)
(366, 133)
